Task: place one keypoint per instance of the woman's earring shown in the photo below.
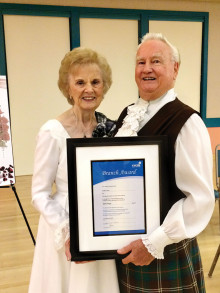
(71, 100)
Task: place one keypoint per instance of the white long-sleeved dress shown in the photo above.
(51, 272)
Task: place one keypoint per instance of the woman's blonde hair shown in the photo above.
(82, 56)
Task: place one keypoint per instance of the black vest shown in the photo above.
(167, 121)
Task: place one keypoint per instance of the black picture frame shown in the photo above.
(80, 152)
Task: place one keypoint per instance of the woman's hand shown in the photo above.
(68, 254)
(67, 249)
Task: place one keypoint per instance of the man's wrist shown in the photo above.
(156, 242)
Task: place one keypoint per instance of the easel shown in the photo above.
(22, 211)
(6, 137)
(214, 262)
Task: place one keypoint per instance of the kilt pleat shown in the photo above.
(179, 271)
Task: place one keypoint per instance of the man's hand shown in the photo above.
(139, 254)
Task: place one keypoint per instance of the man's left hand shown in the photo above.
(139, 254)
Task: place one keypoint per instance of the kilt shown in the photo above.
(179, 271)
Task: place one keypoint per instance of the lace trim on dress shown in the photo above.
(61, 234)
(153, 251)
(131, 123)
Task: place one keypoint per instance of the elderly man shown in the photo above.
(168, 259)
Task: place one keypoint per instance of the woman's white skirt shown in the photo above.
(52, 273)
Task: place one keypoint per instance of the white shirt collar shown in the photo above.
(155, 105)
(166, 98)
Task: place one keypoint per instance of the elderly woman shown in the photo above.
(84, 78)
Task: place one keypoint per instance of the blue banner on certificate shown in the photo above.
(118, 191)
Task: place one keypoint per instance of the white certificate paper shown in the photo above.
(118, 190)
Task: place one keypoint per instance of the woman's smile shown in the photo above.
(86, 86)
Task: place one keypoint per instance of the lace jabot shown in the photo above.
(135, 114)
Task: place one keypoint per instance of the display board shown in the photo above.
(7, 174)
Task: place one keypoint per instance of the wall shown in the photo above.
(213, 7)
(214, 133)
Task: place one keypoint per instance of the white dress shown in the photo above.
(51, 272)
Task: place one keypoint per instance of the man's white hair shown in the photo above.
(161, 37)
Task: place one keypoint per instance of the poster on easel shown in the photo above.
(7, 175)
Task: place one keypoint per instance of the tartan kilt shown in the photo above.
(179, 271)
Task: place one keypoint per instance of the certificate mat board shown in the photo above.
(88, 242)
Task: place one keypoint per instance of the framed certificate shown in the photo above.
(115, 190)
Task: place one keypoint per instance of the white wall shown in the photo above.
(34, 49)
(34, 60)
(189, 77)
(110, 37)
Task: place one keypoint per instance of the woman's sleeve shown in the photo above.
(47, 155)
(193, 171)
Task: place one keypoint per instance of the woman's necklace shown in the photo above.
(87, 131)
